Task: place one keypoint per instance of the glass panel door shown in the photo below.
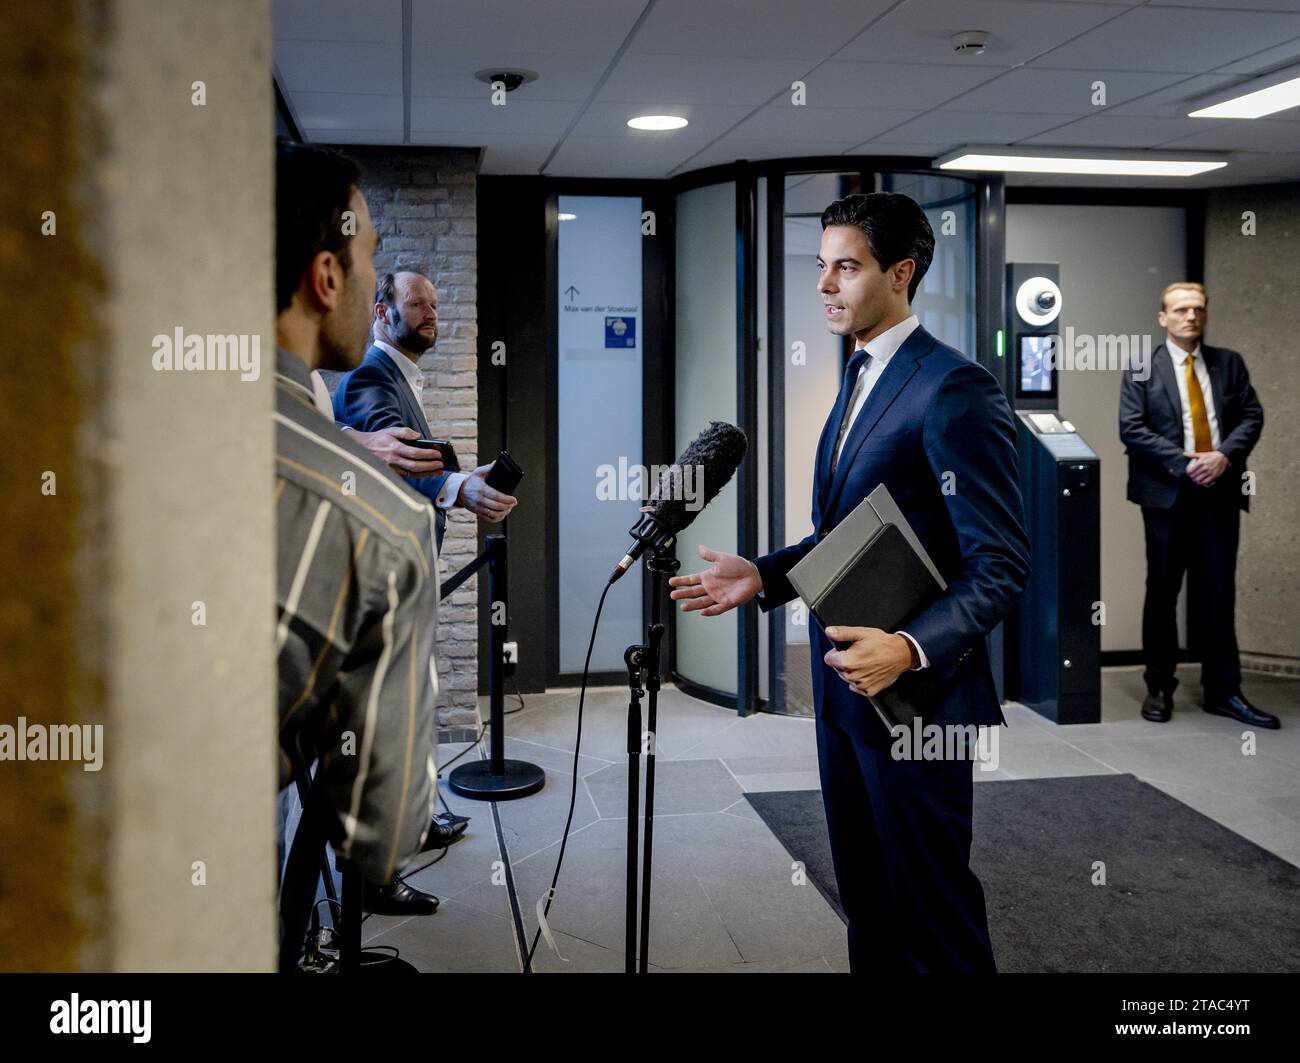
(600, 488)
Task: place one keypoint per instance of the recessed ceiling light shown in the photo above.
(657, 122)
(1274, 97)
(567, 217)
(1067, 161)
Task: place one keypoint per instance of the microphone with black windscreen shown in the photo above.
(715, 454)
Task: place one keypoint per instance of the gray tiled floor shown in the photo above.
(724, 896)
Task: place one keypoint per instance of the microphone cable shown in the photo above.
(573, 790)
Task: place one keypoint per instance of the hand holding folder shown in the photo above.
(872, 571)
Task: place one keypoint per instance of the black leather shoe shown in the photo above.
(1158, 707)
(397, 898)
(1239, 708)
(444, 828)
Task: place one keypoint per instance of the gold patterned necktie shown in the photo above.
(1196, 400)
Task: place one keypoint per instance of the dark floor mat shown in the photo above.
(1183, 893)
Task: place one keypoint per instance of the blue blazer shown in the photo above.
(937, 430)
(375, 395)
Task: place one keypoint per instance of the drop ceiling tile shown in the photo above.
(619, 157)
(755, 29)
(337, 66)
(921, 32)
(432, 114)
(1267, 60)
(1232, 5)
(1233, 134)
(597, 27)
(338, 110)
(1115, 131)
(1177, 99)
(846, 125)
(337, 20)
(957, 127)
(1042, 91)
(887, 146)
(721, 79)
(519, 154)
(730, 149)
(1194, 41)
(892, 86)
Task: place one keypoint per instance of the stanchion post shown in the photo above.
(497, 591)
(495, 779)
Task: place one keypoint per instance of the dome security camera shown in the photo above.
(510, 79)
(1038, 301)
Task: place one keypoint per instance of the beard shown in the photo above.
(343, 334)
(412, 339)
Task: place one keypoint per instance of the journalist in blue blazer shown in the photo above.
(936, 429)
(381, 393)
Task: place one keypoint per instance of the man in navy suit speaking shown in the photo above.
(935, 428)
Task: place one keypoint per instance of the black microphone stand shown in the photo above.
(644, 659)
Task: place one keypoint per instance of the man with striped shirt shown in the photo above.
(357, 574)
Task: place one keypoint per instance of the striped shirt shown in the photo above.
(357, 596)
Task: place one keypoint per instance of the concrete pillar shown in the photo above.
(1252, 273)
(139, 595)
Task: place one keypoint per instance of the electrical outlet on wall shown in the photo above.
(510, 652)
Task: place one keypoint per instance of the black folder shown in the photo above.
(872, 571)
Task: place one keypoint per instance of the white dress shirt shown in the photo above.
(1180, 357)
(411, 371)
(320, 394)
(882, 349)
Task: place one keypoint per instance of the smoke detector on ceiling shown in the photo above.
(511, 79)
(970, 42)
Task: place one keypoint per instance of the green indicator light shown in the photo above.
(1001, 342)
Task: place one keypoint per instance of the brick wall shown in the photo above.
(422, 201)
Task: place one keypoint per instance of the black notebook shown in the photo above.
(872, 571)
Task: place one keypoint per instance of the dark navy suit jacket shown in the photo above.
(374, 396)
(937, 431)
(1151, 427)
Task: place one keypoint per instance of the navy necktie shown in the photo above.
(849, 391)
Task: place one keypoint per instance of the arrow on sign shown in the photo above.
(571, 291)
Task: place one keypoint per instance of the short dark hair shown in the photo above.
(386, 290)
(895, 227)
(313, 186)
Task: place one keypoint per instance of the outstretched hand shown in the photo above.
(728, 582)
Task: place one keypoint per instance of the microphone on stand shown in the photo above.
(716, 452)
